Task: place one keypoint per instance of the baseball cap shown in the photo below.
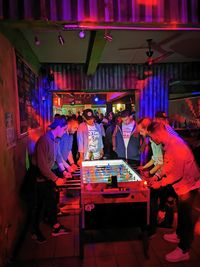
(59, 121)
(125, 113)
(88, 114)
(161, 114)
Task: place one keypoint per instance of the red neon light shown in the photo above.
(148, 72)
(148, 2)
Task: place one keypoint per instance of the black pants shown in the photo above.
(45, 203)
(187, 218)
(154, 196)
(158, 199)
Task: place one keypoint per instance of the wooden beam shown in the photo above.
(95, 50)
(17, 39)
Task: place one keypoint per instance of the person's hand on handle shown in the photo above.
(67, 175)
(60, 181)
(140, 168)
(79, 162)
(74, 167)
(154, 183)
(101, 153)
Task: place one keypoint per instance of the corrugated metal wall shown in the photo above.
(150, 84)
(132, 11)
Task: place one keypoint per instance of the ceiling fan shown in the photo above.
(150, 53)
(153, 46)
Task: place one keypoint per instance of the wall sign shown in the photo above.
(10, 131)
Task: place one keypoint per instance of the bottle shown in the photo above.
(91, 155)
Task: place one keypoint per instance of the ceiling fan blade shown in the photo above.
(170, 38)
(162, 57)
(132, 48)
(158, 48)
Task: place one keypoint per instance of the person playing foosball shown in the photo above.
(181, 171)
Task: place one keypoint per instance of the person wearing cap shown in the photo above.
(89, 138)
(46, 150)
(181, 171)
(161, 116)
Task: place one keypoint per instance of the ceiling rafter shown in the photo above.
(95, 50)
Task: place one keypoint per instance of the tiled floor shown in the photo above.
(106, 248)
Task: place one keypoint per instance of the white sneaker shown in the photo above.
(177, 255)
(173, 238)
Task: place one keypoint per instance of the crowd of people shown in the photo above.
(150, 145)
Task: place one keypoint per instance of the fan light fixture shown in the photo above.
(149, 52)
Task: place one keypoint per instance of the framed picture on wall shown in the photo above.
(28, 97)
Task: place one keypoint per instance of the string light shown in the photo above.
(61, 39)
(107, 36)
(82, 34)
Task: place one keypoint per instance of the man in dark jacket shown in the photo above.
(126, 140)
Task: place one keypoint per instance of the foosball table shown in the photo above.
(112, 194)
